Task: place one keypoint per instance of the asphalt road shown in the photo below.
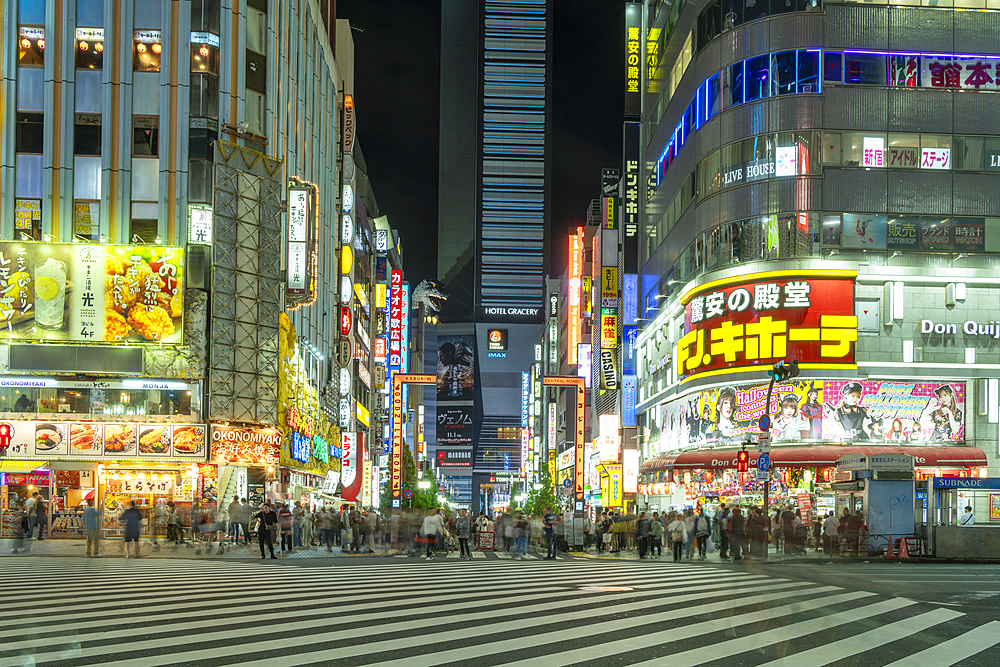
(574, 611)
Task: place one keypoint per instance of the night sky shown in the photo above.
(397, 51)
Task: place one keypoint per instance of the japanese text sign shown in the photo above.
(771, 316)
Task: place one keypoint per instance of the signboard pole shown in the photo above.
(578, 477)
(396, 454)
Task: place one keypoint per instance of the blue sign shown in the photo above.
(630, 340)
(764, 424)
(630, 298)
(567, 482)
(301, 448)
(408, 494)
(763, 462)
(990, 483)
(630, 385)
(921, 495)
(336, 452)
(395, 502)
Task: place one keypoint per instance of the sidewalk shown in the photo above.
(811, 556)
(115, 549)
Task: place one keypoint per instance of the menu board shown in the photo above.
(108, 439)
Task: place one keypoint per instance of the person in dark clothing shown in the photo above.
(642, 534)
(724, 533)
(20, 531)
(788, 529)
(758, 533)
(853, 533)
(267, 521)
(549, 524)
(737, 525)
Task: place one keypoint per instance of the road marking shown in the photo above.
(955, 649)
(780, 635)
(855, 644)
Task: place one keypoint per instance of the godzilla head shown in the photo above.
(431, 294)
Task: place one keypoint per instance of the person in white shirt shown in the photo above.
(831, 527)
(968, 518)
(29, 510)
(432, 527)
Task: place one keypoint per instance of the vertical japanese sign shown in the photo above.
(350, 474)
(348, 123)
(525, 398)
(395, 320)
(579, 474)
(630, 219)
(404, 328)
(573, 325)
(629, 387)
(298, 220)
(633, 58)
(396, 448)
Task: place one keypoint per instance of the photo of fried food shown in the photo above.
(115, 326)
(113, 265)
(189, 439)
(119, 438)
(153, 441)
(150, 322)
(83, 438)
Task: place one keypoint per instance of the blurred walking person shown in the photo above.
(92, 524)
(702, 531)
(723, 523)
(267, 525)
(297, 514)
(549, 525)
(432, 526)
(234, 521)
(521, 530)
(462, 524)
(285, 526)
(831, 532)
(737, 526)
(656, 537)
(642, 535)
(678, 532)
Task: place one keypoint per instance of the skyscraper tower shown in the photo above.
(494, 200)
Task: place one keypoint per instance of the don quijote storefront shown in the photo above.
(860, 389)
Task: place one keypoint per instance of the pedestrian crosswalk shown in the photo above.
(405, 613)
(481, 555)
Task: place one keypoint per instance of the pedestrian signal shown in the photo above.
(742, 461)
(6, 433)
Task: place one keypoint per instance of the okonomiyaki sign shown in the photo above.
(761, 318)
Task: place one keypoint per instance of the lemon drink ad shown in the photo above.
(91, 293)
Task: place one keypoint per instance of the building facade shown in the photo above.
(493, 225)
(173, 178)
(812, 190)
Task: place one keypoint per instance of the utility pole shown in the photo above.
(779, 372)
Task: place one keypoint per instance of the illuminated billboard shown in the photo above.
(91, 293)
(575, 284)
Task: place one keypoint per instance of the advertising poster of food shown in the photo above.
(455, 375)
(108, 439)
(91, 293)
(832, 411)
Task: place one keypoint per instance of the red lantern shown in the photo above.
(345, 321)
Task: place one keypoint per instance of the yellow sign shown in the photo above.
(363, 415)
(994, 506)
(609, 285)
(611, 484)
(586, 295)
(381, 294)
(609, 328)
(654, 78)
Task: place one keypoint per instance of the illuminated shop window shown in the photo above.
(146, 50)
(90, 48)
(31, 46)
(204, 53)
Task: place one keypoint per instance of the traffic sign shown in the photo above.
(408, 494)
(764, 423)
(764, 443)
(567, 483)
(760, 475)
(763, 462)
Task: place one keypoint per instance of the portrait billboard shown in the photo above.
(71, 292)
(454, 425)
(455, 367)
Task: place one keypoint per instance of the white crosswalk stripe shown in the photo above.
(404, 612)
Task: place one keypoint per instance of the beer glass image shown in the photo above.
(50, 294)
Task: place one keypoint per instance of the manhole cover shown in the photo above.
(606, 589)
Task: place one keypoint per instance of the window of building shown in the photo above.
(31, 46)
(205, 16)
(87, 134)
(200, 139)
(143, 230)
(145, 136)
(146, 50)
(260, 5)
(783, 66)
(87, 220)
(831, 230)
(204, 53)
(256, 72)
(808, 71)
(257, 31)
(90, 48)
(30, 133)
(31, 12)
(735, 85)
(833, 67)
(204, 95)
(866, 69)
(758, 78)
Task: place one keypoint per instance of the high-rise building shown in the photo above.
(493, 208)
(813, 179)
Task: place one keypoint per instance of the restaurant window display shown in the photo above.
(151, 490)
(21, 395)
(17, 488)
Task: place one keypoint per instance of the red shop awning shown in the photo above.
(820, 456)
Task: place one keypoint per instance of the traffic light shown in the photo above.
(742, 461)
(782, 371)
(6, 433)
